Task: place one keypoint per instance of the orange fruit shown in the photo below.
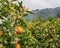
(18, 45)
(1, 33)
(19, 30)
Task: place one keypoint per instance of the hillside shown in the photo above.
(44, 13)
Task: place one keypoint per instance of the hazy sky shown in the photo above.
(34, 4)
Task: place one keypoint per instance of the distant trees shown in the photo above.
(58, 15)
(58, 12)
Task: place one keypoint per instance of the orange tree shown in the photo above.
(46, 32)
(14, 31)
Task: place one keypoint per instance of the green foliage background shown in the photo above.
(36, 34)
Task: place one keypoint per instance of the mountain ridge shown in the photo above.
(45, 13)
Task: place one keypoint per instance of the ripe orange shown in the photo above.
(18, 45)
(1, 33)
(19, 30)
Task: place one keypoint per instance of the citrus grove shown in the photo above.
(17, 32)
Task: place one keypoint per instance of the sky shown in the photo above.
(41, 4)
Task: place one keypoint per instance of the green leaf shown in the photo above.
(20, 4)
(25, 14)
(14, 0)
(30, 12)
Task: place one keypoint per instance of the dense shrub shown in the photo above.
(47, 33)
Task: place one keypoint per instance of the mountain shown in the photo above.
(44, 13)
